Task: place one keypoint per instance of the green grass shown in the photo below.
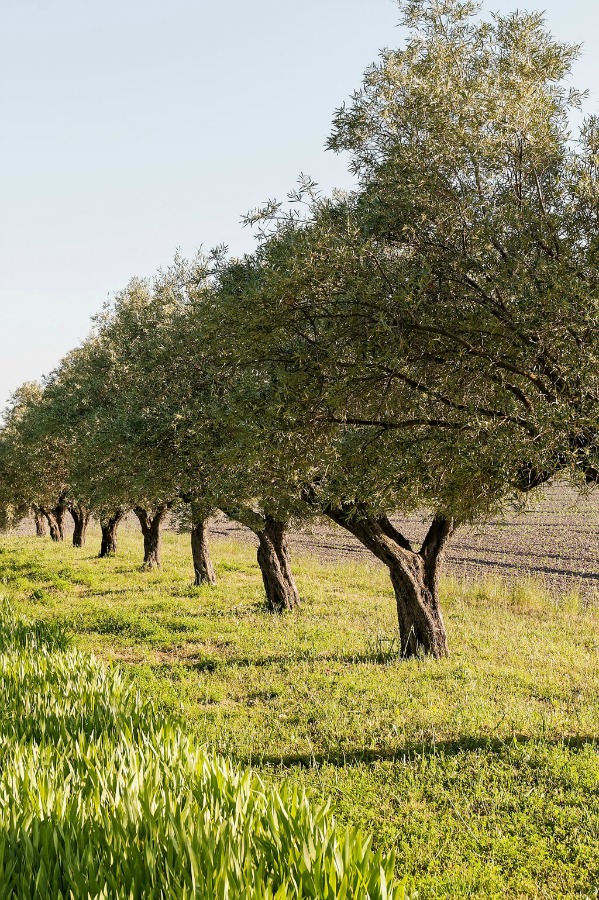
(481, 772)
(102, 798)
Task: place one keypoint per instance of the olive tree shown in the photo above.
(33, 469)
(202, 431)
(159, 417)
(76, 396)
(358, 477)
(440, 323)
(103, 393)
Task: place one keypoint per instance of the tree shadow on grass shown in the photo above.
(291, 659)
(418, 750)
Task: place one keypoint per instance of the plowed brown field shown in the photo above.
(555, 541)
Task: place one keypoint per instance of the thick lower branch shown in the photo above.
(273, 557)
(55, 516)
(40, 521)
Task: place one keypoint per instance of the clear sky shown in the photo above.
(129, 128)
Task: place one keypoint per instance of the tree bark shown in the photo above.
(200, 551)
(414, 575)
(55, 518)
(81, 517)
(275, 564)
(273, 557)
(55, 531)
(150, 528)
(40, 522)
(109, 529)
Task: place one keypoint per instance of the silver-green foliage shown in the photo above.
(99, 798)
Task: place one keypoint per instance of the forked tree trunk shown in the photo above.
(55, 531)
(200, 551)
(55, 518)
(81, 517)
(275, 564)
(414, 575)
(109, 529)
(40, 522)
(150, 528)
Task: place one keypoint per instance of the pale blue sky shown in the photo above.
(129, 128)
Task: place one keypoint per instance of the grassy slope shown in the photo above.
(482, 771)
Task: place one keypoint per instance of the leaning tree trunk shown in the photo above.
(109, 529)
(414, 575)
(275, 565)
(40, 522)
(150, 528)
(81, 516)
(200, 551)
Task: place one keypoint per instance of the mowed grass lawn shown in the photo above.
(482, 770)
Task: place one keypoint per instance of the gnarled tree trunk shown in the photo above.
(273, 557)
(56, 533)
(109, 529)
(200, 551)
(55, 518)
(81, 517)
(275, 564)
(150, 528)
(40, 521)
(414, 575)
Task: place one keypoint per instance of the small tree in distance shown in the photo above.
(33, 464)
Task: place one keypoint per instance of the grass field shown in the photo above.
(482, 771)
